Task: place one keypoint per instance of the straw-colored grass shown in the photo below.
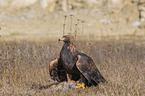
(24, 67)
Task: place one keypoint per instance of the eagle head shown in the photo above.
(67, 39)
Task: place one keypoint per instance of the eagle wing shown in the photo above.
(88, 68)
(56, 70)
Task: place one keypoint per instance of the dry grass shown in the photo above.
(24, 66)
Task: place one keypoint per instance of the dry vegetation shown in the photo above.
(28, 44)
(24, 67)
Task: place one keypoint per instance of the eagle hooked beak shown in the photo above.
(61, 38)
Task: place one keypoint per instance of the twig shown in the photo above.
(71, 18)
(83, 27)
(64, 25)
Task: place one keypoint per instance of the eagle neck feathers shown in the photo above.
(69, 46)
(68, 55)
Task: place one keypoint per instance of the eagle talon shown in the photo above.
(80, 85)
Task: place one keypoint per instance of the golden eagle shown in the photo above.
(74, 65)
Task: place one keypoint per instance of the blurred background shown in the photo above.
(92, 19)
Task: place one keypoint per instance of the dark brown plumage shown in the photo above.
(74, 65)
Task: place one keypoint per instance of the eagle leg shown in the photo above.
(83, 80)
(69, 77)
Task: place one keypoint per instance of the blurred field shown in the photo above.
(91, 24)
(24, 67)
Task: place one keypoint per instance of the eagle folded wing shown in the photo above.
(56, 70)
(89, 70)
